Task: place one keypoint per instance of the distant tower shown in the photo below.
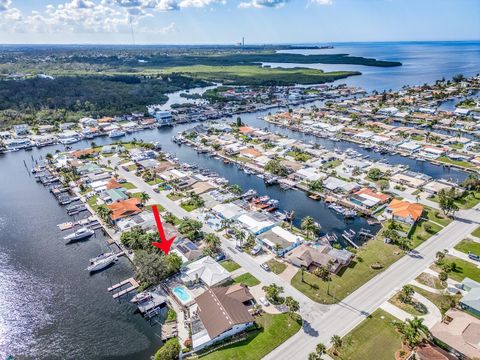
(243, 41)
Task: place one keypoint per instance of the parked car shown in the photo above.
(264, 301)
(220, 257)
(265, 267)
(121, 181)
(256, 249)
(473, 256)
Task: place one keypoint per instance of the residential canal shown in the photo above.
(51, 308)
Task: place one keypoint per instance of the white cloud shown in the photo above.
(263, 4)
(322, 2)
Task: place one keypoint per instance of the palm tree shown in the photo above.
(104, 213)
(313, 356)
(144, 197)
(236, 189)
(337, 342)
(406, 293)
(413, 330)
(320, 349)
(308, 225)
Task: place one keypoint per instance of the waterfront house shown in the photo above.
(228, 211)
(368, 198)
(409, 180)
(114, 195)
(434, 187)
(257, 222)
(206, 270)
(144, 220)
(460, 333)
(222, 312)
(404, 211)
(338, 185)
(279, 240)
(310, 257)
(124, 208)
(309, 174)
(21, 129)
(470, 302)
(410, 146)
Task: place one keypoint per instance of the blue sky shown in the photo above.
(226, 21)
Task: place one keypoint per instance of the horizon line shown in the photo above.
(236, 44)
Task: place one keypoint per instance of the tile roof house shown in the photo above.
(429, 351)
(460, 332)
(222, 312)
(404, 211)
(124, 208)
(113, 184)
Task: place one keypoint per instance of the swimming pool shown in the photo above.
(182, 294)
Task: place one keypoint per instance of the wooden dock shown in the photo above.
(130, 281)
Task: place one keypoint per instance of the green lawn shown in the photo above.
(436, 216)
(476, 232)
(128, 186)
(174, 197)
(154, 181)
(430, 280)
(413, 307)
(274, 330)
(230, 265)
(441, 301)
(247, 279)
(374, 335)
(464, 269)
(159, 207)
(419, 232)
(447, 160)
(355, 275)
(468, 201)
(467, 246)
(93, 202)
(277, 267)
(331, 164)
(188, 207)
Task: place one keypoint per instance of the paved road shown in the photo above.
(322, 321)
(309, 309)
(344, 316)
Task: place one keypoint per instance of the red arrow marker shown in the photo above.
(164, 244)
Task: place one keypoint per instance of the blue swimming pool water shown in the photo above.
(182, 294)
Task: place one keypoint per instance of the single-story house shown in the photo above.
(311, 257)
(460, 332)
(338, 185)
(410, 146)
(369, 198)
(279, 240)
(471, 301)
(404, 211)
(257, 222)
(309, 173)
(429, 351)
(186, 250)
(408, 180)
(222, 312)
(144, 220)
(229, 211)
(114, 195)
(434, 187)
(207, 270)
(124, 208)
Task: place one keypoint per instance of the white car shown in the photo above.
(264, 301)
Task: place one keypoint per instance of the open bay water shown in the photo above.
(422, 62)
(51, 308)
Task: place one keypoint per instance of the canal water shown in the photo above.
(51, 308)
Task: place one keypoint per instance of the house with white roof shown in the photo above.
(279, 240)
(257, 222)
(207, 270)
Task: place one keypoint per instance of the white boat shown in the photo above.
(140, 297)
(116, 133)
(100, 257)
(81, 233)
(102, 264)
